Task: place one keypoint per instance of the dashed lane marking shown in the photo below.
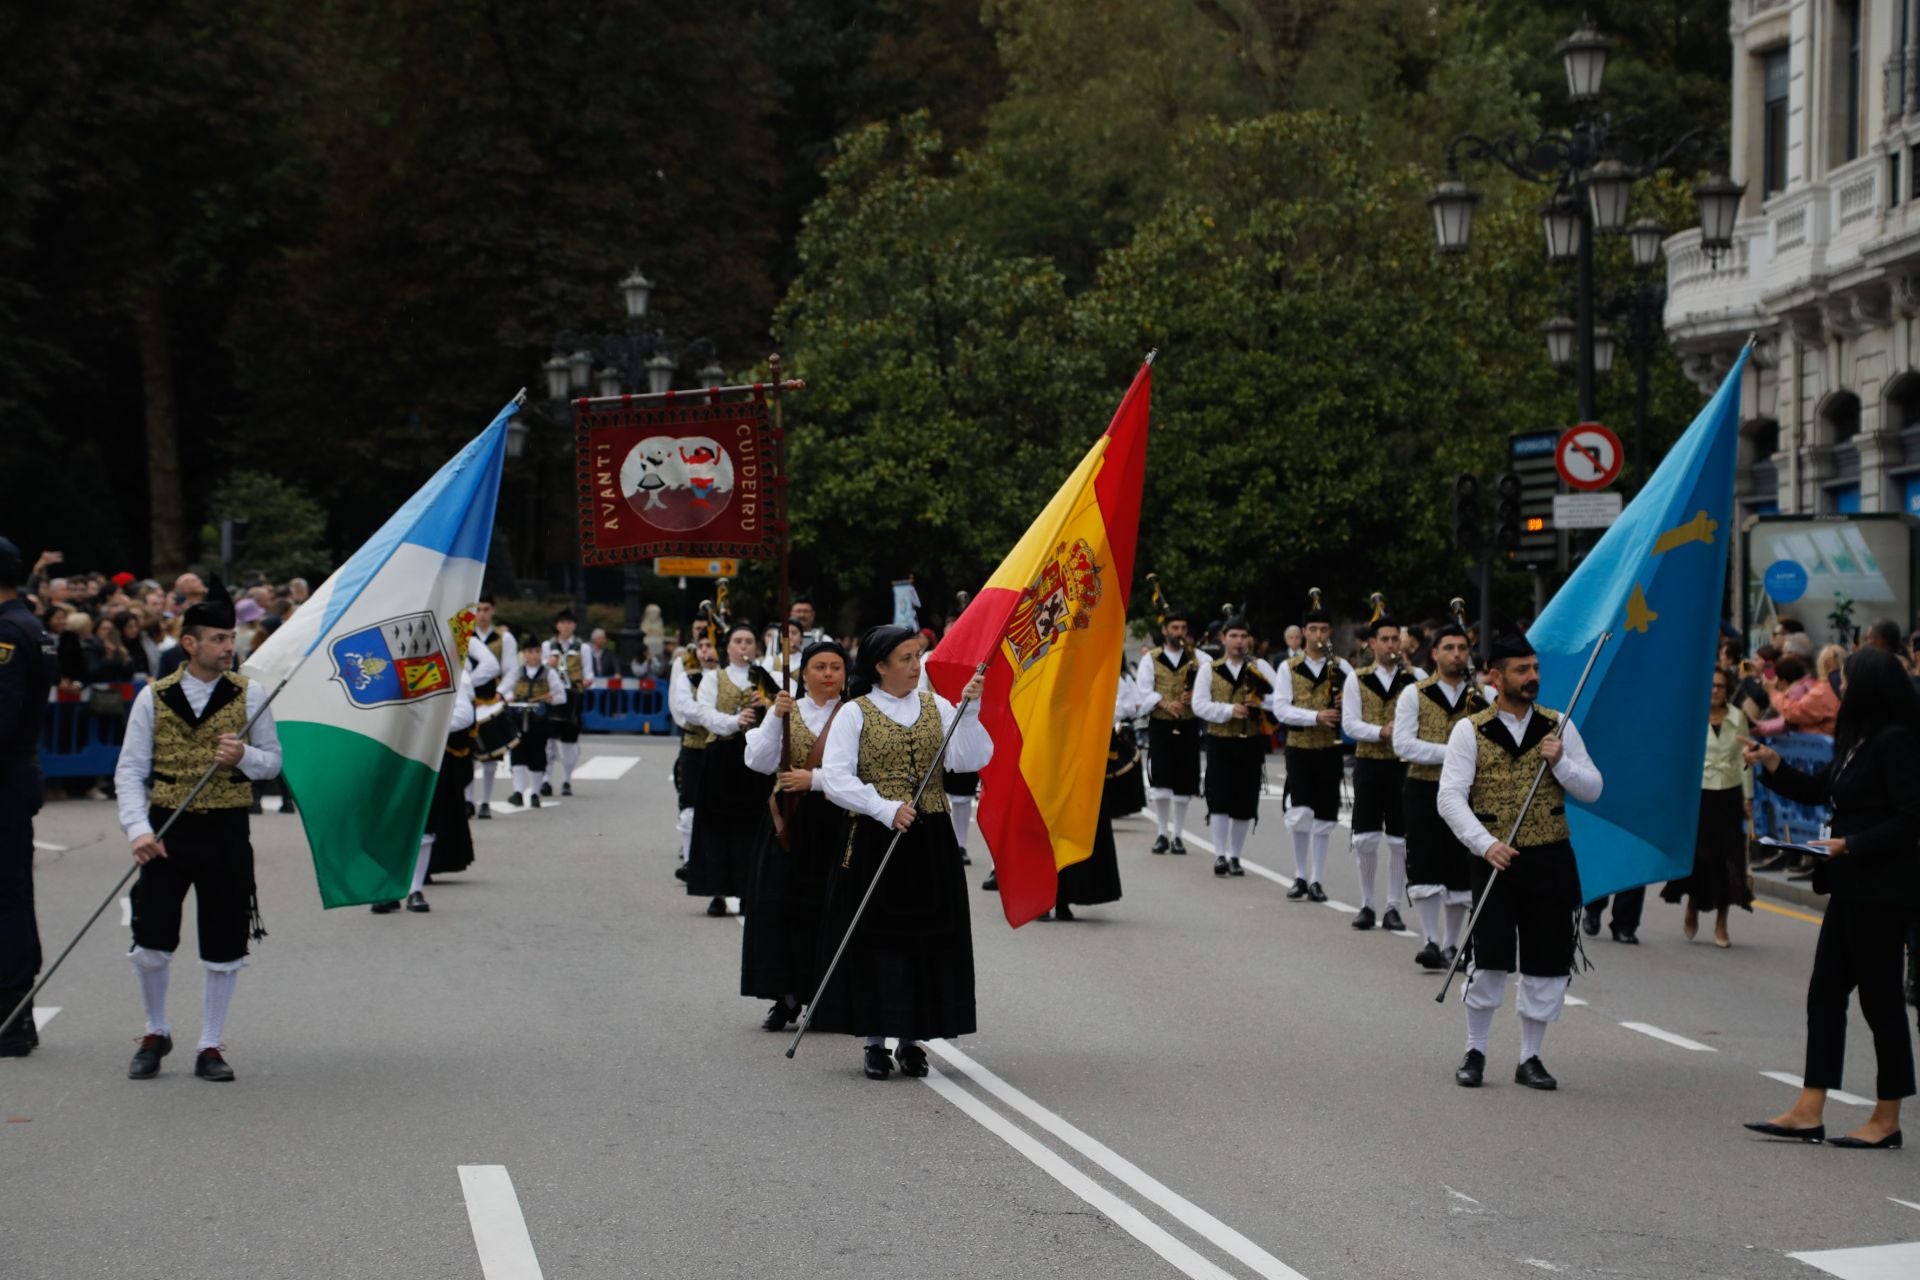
(1833, 1095)
(604, 768)
(1874, 1262)
(499, 1228)
(509, 810)
(1648, 1029)
(1908, 1203)
(43, 1014)
(47, 847)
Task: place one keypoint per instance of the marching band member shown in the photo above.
(567, 655)
(1167, 677)
(1229, 694)
(1367, 709)
(1439, 868)
(690, 668)
(726, 817)
(1095, 880)
(1308, 707)
(542, 687)
(489, 702)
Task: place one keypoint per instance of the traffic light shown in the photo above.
(1466, 512)
(1506, 513)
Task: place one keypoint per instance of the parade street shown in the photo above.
(1202, 1078)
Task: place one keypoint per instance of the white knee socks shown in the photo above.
(487, 769)
(219, 994)
(1396, 870)
(1482, 996)
(1221, 826)
(153, 967)
(569, 757)
(1322, 835)
(962, 807)
(422, 861)
(1237, 830)
(1162, 815)
(1366, 853)
(1429, 909)
(1180, 814)
(1479, 1028)
(1456, 922)
(526, 781)
(1300, 827)
(1533, 1036)
(686, 835)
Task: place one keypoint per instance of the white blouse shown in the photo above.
(705, 707)
(763, 740)
(839, 772)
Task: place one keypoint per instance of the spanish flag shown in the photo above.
(1050, 624)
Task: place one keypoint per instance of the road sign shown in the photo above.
(695, 567)
(1530, 456)
(1785, 581)
(1589, 457)
(1585, 510)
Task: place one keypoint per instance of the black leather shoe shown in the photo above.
(781, 1016)
(1533, 1074)
(209, 1065)
(1061, 911)
(22, 1037)
(680, 872)
(517, 800)
(1472, 1069)
(718, 907)
(1453, 953)
(486, 812)
(146, 1059)
(469, 808)
(1316, 893)
(533, 801)
(1219, 866)
(566, 788)
(1160, 844)
(1392, 921)
(913, 1060)
(1818, 1133)
(1364, 920)
(417, 901)
(1889, 1143)
(879, 1064)
(1179, 849)
(546, 788)
(1233, 867)
(1624, 935)
(1431, 957)
(965, 861)
(991, 883)
(1590, 922)
(1298, 893)
(384, 908)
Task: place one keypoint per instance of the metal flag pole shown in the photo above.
(159, 836)
(1513, 832)
(806, 1015)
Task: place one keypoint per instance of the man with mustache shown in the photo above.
(1527, 917)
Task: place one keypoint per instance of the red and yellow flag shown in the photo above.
(1050, 624)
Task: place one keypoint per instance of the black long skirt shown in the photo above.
(908, 970)
(1097, 879)
(726, 822)
(780, 955)
(447, 817)
(1719, 876)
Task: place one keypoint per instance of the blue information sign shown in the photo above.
(1785, 581)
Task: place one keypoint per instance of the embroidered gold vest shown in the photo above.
(1310, 694)
(729, 699)
(894, 758)
(1501, 777)
(1250, 690)
(182, 750)
(572, 670)
(695, 736)
(1437, 719)
(1172, 683)
(526, 687)
(1377, 707)
(800, 739)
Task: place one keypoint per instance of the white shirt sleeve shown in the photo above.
(705, 712)
(839, 775)
(680, 696)
(1351, 721)
(1143, 681)
(485, 666)
(556, 688)
(1283, 709)
(1129, 701)
(462, 704)
(972, 747)
(261, 759)
(1456, 780)
(136, 760)
(1407, 743)
(509, 657)
(763, 744)
(1576, 773)
(1203, 704)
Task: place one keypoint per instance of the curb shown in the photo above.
(1771, 884)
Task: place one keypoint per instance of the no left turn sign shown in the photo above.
(1588, 457)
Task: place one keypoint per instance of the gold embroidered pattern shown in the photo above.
(1500, 783)
(1437, 721)
(1313, 695)
(894, 757)
(182, 752)
(1377, 710)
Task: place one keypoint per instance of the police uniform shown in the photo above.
(1370, 699)
(1166, 675)
(1527, 916)
(1315, 765)
(1236, 750)
(568, 657)
(173, 731)
(29, 667)
(1439, 868)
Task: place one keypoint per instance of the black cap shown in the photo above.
(12, 567)
(1512, 644)
(1179, 615)
(215, 611)
(1235, 623)
(566, 615)
(1384, 620)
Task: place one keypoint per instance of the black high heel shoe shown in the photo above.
(1818, 1133)
(1889, 1143)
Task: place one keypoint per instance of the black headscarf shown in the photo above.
(875, 646)
(819, 647)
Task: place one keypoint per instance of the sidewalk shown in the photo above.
(1775, 885)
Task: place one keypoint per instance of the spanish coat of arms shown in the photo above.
(1061, 599)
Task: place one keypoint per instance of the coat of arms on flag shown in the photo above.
(400, 660)
(1059, 600)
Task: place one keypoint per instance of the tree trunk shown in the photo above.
(166, 508)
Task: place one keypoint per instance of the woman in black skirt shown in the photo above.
(1719, 879)
(908, 967)
(733, 798)
(1096, 879)
(779, 954)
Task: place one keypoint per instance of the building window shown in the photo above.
(1850, 76)
(1893, 179)
(1910, 495)
(1845, 498)
(1775, 79)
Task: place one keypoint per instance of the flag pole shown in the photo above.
(939, 757)
(1513, 832)
(160, 835)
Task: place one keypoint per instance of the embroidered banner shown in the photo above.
(676, 480)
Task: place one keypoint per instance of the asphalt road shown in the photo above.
(551, 1075)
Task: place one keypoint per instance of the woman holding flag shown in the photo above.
(908, 966)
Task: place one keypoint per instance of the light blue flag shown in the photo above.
(1655, 581)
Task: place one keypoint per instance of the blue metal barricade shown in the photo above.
(634, 706)
(1773, 814)
(75, 743)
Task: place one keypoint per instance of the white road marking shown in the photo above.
(1834, 1095)
(1188, 1213)
(499, 1228)
(1648, 1029)
(1337, 905)
(505, 810)
(49, 848)
(126, 911)
(1574, 1000)
(1875, 1262)
(43, 1014)
(604, 768)
(1122, 1214)
(1908, 1203)
(1541, 1263)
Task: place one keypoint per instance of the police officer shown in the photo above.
(29, 664)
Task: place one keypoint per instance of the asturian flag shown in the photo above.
(1050, 625)
(371, 662)
(1655, 581)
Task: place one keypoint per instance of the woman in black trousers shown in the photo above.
(1873, 878)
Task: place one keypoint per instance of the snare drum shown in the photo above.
(494, 735)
